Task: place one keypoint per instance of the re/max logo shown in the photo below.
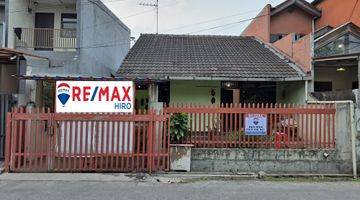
(87, 93)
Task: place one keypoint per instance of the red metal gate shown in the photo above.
(41, 141)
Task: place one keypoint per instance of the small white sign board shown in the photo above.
(255, 124)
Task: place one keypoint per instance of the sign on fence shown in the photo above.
(94, 96)
(255, 124)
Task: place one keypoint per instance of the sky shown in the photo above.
(203, 17)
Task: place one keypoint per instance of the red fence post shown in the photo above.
(7, 142)
(150, 141)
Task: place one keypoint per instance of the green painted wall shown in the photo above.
(290, 92)
(195, 92)
(142, 94)
(139, 95)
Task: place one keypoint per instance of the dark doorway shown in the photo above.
(44, 31)
(355, 85)
(227, 96)
(164, 92)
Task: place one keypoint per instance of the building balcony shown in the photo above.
(45, 39)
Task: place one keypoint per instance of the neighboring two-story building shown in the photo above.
(322, 36)
(68, 38)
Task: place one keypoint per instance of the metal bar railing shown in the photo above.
(45, 38)
(285, 126)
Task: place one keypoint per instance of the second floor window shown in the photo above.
(68, 25)
(346, 44)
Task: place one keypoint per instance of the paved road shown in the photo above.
(135, 190)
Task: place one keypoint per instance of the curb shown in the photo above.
(166, 177)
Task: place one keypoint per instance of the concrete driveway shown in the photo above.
(103, 187)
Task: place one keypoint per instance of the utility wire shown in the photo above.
(226, 28)
(352, 12)
(126, 17)
(211, 20)
(224, 25)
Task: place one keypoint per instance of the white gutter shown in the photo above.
(237, 79)
(352, 129)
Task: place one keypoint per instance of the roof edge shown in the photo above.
(307, 7)
(110, 13)
(212, 78)
(337, 29)
(316, 2)
(280, 54)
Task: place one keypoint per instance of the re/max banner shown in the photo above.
(95, 96)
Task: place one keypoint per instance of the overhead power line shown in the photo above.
(211, 20)
(353, 9)
(126, 17)
(229, 24)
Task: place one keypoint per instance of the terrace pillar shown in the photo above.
(157, 107)
(153, 92)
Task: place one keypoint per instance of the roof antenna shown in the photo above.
(156, 6)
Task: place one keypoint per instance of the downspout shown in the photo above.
(312, 68)
(313, 35)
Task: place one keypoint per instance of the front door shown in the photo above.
(227, 96)
(44, 31)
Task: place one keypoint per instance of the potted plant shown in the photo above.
(180, 154)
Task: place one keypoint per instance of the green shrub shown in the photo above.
(179, 126)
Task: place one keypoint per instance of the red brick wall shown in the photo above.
(299, 51)
(285, 45)
(260, 26)
(338, 12)
(302, 52)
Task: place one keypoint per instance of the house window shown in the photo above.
(297, 37)
(276, 37)
(322, 86)
(68, 25)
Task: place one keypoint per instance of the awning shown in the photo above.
(9, 56)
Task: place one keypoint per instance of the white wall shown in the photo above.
(20, 17)
(103, 39)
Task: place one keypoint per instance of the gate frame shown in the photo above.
(151, 117)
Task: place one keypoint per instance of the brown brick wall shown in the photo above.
(302, 52)
(299, 51)
(285, 45)
(291, 21)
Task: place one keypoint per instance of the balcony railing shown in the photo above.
(45, 38)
